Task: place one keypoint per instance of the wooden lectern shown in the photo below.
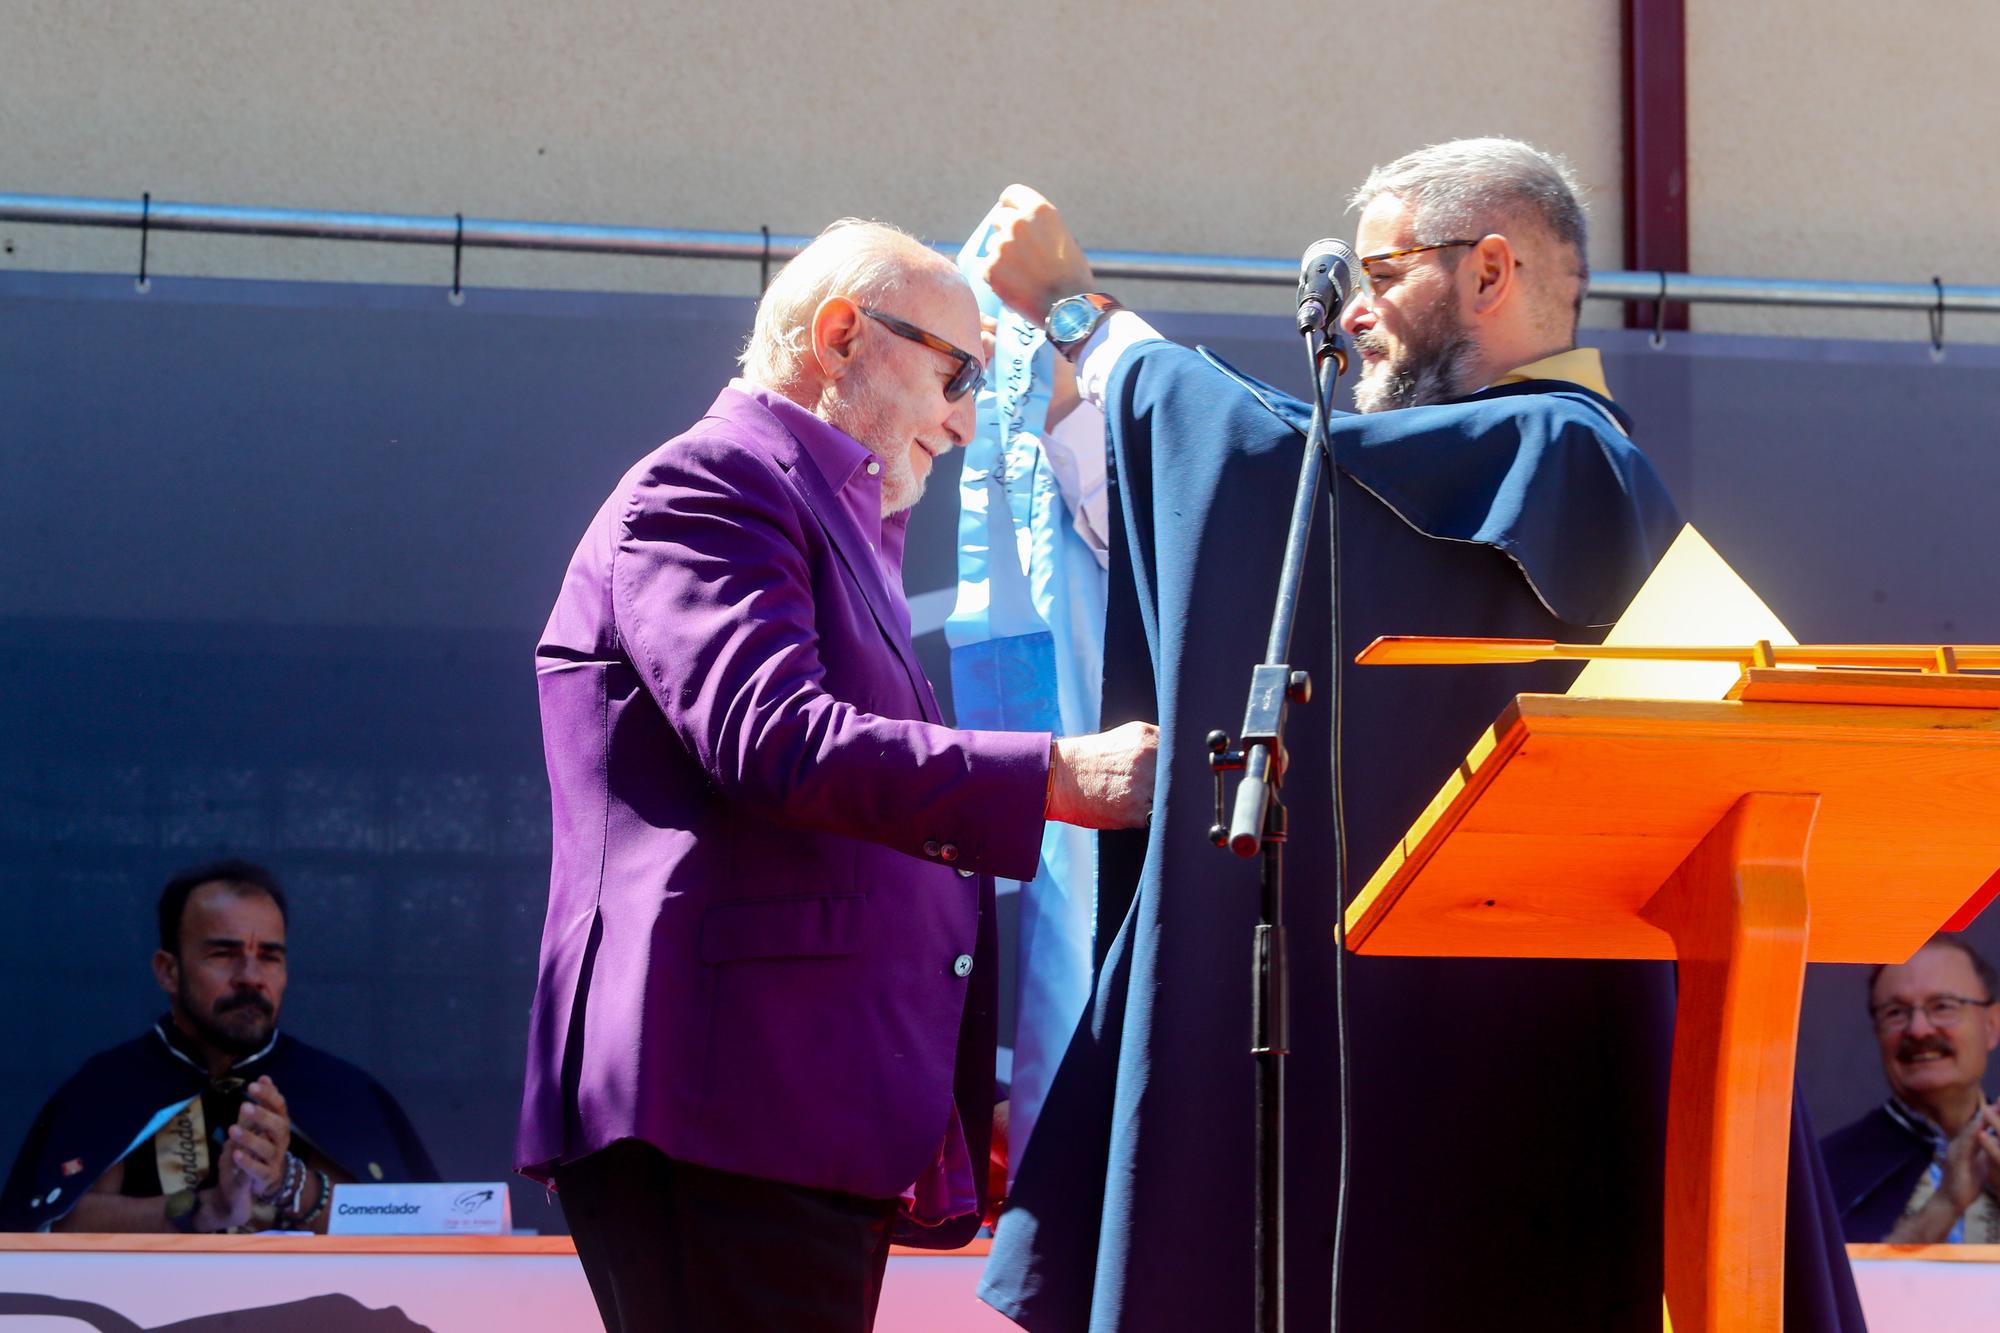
(1816, 816)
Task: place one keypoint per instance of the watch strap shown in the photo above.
(1102, 306)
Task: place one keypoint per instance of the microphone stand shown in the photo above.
(1258, 824)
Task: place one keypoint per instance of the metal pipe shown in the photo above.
(681, 243)
(1693, 288)
(401, 229)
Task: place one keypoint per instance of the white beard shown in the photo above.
(860, 412)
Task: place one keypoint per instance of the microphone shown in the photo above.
(1326, 275)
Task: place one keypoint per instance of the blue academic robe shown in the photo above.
(119, 1098)
(1509, 1116)
(1874, 1164)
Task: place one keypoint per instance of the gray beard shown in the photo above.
(1434, 368)
(862, 406)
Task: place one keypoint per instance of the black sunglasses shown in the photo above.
(969, 375)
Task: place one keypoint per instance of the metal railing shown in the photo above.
(469, 233)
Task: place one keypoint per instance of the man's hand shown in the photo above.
(253, 1159)
(229, 1203)
(1104, 780)
(1971, 1164)
(1034, 261)
(1972, 1161)
(262, 1135)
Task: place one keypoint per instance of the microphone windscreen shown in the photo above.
(1337, 260)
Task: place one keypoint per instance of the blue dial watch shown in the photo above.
(1074, 318)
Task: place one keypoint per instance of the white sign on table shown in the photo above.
(477, 1209)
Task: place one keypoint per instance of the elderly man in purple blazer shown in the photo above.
(762, 1037)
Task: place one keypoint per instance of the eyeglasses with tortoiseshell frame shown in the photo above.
(969, 375)
(1368, 261)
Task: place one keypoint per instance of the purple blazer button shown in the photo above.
(949, 851)
(932, 848)
(962, 965)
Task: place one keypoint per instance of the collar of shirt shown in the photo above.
(181, 1048)
(1914, 1122)
(1579, 365)
(1918, 1124)
(843, 461)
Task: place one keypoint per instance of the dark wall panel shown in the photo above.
(274, 557)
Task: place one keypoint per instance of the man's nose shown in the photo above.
(963, 421)
(1357, 315)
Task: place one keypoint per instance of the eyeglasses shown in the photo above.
(1941, 1010)
(1368, 273)
(969, 375)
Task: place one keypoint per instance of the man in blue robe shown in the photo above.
(214, 1119)
(1923, 1168)
(1508, 1117)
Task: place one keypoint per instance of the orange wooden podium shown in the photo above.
(1822, 816)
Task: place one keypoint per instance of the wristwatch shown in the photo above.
(1074, 318)
(182, 1205)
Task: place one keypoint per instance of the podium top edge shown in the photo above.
(1444, 650)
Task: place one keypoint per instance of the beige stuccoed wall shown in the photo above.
(1159, 126)
(1845, 139)
(1826, 139)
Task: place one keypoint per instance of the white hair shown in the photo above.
(1470, 187)
(867, 261)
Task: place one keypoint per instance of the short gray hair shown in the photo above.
(1944, 939)
(1469, 187)
(868, 261)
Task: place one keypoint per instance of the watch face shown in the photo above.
(1070, 318)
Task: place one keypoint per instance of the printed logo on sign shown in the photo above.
(457, 1208)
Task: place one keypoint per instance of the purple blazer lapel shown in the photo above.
(846, 539)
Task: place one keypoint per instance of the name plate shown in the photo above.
(479, 1209)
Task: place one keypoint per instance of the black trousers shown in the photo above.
(672, 1246)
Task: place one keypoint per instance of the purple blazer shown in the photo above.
(769, 945)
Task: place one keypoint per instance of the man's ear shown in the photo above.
(836, 337)
(1992, 1012)
(167, 971)
(1489, 273)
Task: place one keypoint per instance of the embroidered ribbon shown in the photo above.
(1027, 645)
(181, 1149)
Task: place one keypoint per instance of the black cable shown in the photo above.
(457, 258)
(1339, 852)
(764, 264)
(1937, 318)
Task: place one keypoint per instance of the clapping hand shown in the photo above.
(1972, 1159)
(252, 1167)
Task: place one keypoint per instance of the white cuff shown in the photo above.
(1120, 331)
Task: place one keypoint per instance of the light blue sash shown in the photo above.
(1027, 654)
